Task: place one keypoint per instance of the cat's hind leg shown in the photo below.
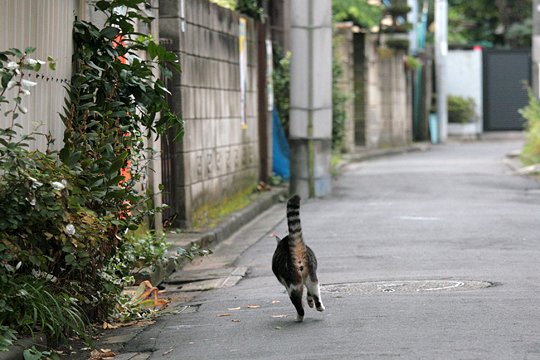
(310, 299)
(315, 291)
(295, 294)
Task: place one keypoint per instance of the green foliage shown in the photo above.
(33, 303)
(530, 153)
(64, 215)
(7, 335)
(136, 252)
(397, 44)
(487, 22)
(397, 9)
(360, 12)
(251, 8)
(460, 109)
(229, 4)
(519, 35)
(339, 99)
(281, 78)
(34, 354)
(413, 63)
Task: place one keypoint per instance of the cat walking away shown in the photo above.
(295, 264)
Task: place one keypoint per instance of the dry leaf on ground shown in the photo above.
(236, 308)
(222, 315)
(235, 320)
(102, 354)
(275, 301)
(254, 306)
(279, 316)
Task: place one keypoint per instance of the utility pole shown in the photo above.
(536, 48)
(310, 127)
(441, 52)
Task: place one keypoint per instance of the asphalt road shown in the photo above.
(455, 214)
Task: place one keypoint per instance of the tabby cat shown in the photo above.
(294, 263)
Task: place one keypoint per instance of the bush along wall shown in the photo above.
(66, 214)
(530, 154)
(461, 109)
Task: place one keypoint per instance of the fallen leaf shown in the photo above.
(254, 306)
(275, 301)
(279, 316)
(236, 308)
(101, 354)
(168, 351)
(235, 320)
(222, 315)
(278, 328)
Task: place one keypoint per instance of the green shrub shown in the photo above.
(65, 215)
(361, 12)
(530, 153)
(281, 79)
(339, 100)
(398, 44)
(461, 110)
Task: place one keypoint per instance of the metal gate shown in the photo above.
(506, 75)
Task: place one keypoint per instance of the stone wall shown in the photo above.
(344, 51)
(388, 93)
(218, 156)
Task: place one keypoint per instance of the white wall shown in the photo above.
(47, 26)
(464, 69)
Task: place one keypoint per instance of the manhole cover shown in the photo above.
(403, 286)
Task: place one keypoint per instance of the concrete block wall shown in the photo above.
(217, 157)
(344, 50)
(388, 98)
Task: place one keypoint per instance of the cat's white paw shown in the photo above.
(299, 318)
(321, 307)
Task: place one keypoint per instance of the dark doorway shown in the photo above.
(506, 73)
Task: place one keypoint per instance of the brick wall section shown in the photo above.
(216, 157)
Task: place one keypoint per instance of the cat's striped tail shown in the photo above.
(293, 219)
(297, 247)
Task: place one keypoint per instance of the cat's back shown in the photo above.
(281, 258)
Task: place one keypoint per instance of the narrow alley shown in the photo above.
(426, 255)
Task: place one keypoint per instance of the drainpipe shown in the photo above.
(536, 48)
(441, 52)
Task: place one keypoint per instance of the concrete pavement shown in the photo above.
(456, 216)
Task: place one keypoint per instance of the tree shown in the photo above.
(487, 22)
(360, 12)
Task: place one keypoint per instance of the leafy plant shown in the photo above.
(361, 12)
(35, 354)
(413, 63)
(65, 215)
(339, 99)
(397, 44)
(530, 153)
(281, 78)
(460, 109)
(252, 8)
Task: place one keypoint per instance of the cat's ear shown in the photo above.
(276, 237)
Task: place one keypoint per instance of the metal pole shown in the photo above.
(536, 48)
(441, 52)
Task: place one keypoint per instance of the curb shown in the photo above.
(222, 231)
(368, 154)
